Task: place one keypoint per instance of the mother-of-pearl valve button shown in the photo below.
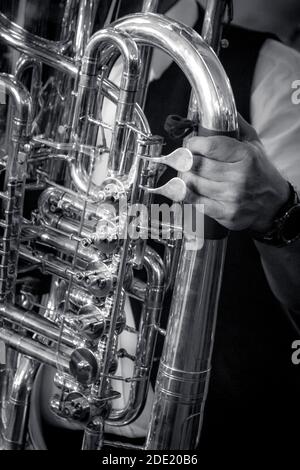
(181, 159)
(175, 189)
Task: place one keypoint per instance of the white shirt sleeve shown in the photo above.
(273, 114)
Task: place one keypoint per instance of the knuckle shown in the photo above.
(234, 193)
(232, 213)
(215, 143)
(241, 187)
(230, 192)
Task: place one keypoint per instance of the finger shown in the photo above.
(246, 131)
(217, 190)
(212, 208)
(212, 169)
(222, 149)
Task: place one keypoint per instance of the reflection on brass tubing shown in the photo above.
(85, 23)
(18, 403)
(68, 246)
(3, 388)
(18, 31)
(145, 343)
(50, 265)
(69, 222)
(11, 364)
(171, 259)
(48, 52)
(29, 45)
(149, 6)
(63, 243)
(32, 45)
(14, 181)
(35, 350)
(60, 197)
(98, 282)
(128, 88)
(137, 290)
(111, 91)
(36, 324)
(80, 297)
(213, 92)
(184, 371)
(23, 64)
(175, 425)
(213, 23)
(122, 445)
(21, 100)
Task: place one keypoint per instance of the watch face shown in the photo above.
(291, 226)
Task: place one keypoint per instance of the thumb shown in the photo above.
(247, 132)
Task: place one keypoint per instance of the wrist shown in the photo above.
(283, 228)
(282, 201)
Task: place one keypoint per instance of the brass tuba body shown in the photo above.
(69, 257)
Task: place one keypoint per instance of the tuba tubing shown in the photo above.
(183, 377)
(63, 237)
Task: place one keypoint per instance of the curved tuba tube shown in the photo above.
(183, 377)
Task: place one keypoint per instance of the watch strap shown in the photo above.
(274, 235)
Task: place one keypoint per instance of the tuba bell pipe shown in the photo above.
(183, 377)
(16, 407)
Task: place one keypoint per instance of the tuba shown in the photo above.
(71, 250)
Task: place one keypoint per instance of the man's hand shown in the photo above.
(238, 185)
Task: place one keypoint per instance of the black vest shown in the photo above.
(254, 390)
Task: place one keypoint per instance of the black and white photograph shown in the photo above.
(150, 230)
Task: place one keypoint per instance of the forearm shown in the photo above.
(282, 269)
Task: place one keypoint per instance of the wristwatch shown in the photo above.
(286, 225)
